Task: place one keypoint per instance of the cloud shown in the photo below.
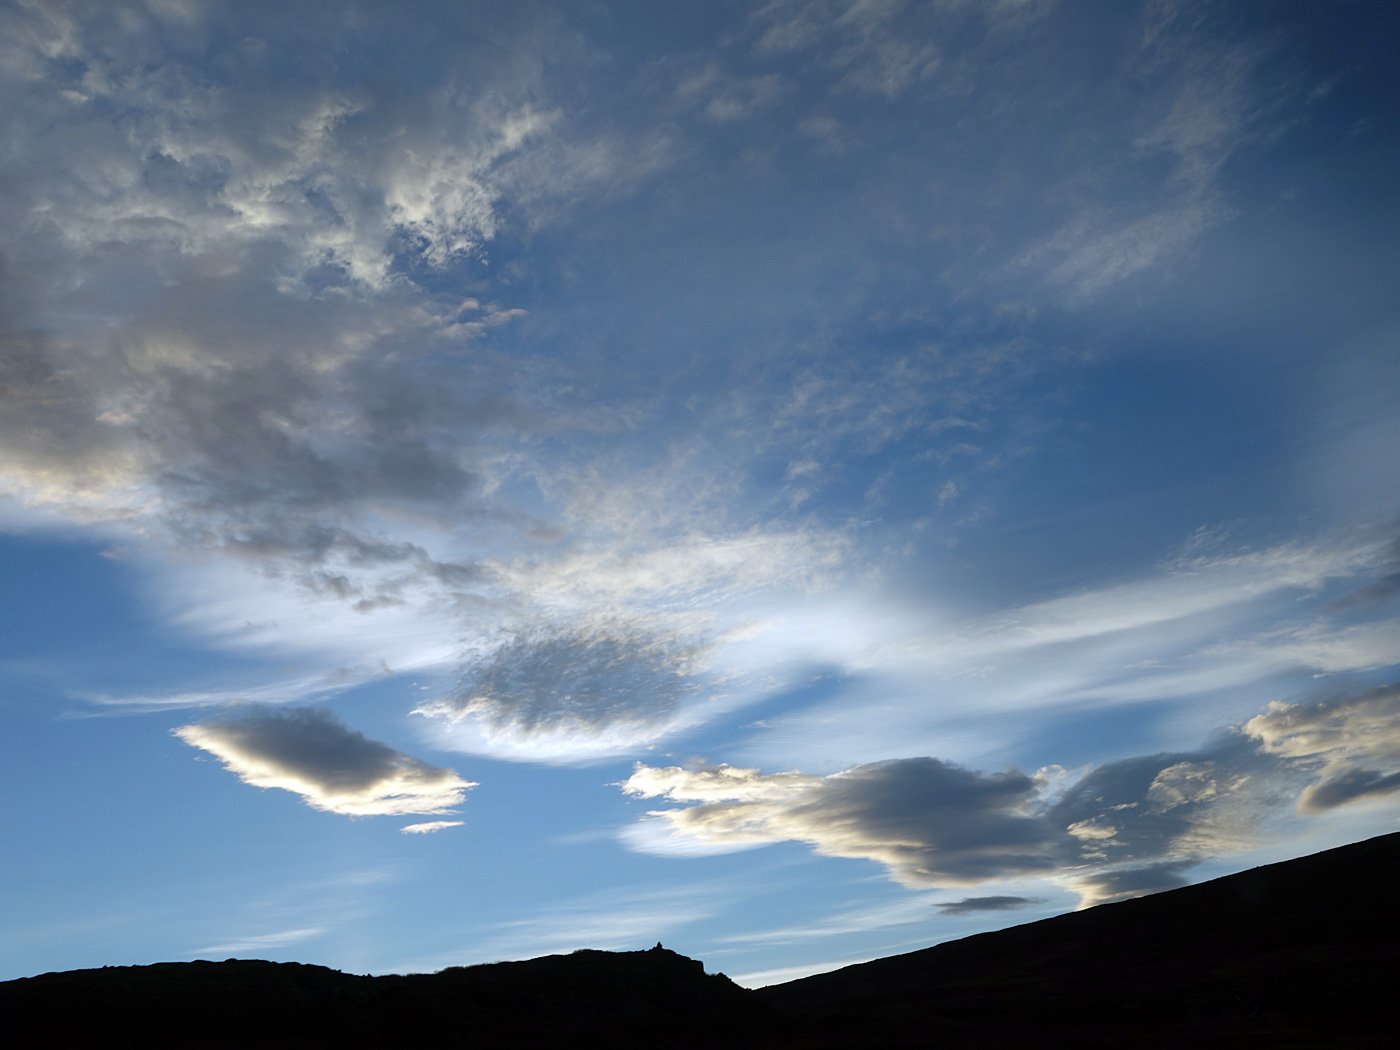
(253, 372)
(307, 751)
(224, 336)
(1164, 804)
(260, 943)
(428, 827)
(1118, 884)
(608, 676)
(1127, 827)
(928, 822)
(869, 45)
(906, 910)
(722, 96)
(1343, 741)
(972, 905)
(1198, 101)
(270, 321)
(1206, 628)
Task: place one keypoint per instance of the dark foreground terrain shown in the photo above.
(1300, 954)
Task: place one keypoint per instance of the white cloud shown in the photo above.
(430, 826)
(306, 751)
(1352, 744)
(1202, 631)
(1201, 104)
(262, 942)
(908, 910)
(868, 44)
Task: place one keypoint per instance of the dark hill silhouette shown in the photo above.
(589, 998)
(1298, 954)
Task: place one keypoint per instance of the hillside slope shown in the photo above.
(589, 998)
(1302, 953)
(1298, 954)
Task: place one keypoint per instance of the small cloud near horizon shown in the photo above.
(969, 905)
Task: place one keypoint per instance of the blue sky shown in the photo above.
(798, 481)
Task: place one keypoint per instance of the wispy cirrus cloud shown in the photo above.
(1206, 627)
(260, 942)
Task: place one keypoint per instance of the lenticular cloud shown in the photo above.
(307, 751)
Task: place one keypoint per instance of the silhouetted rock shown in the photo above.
(1299, 954)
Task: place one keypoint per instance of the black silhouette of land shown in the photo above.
(1298, 954)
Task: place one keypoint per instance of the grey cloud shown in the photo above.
(931, 823)
(1347, 787)
(251, 353)
(1126, 828)
(1382, 590)
(307, 751)
(224, 319)
(1159, 805)
(1347, 744)
(607, 675)
(203, 147)
(928, 822)
(1117, 884)
(972, 905)
(210, 322)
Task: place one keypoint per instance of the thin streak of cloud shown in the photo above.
(262, 942)
(430, 826)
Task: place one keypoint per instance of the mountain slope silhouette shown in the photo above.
(1298, 954)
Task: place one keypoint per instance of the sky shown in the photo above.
(796, 480)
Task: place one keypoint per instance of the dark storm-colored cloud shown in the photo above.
(973, 905)
(306, 750)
